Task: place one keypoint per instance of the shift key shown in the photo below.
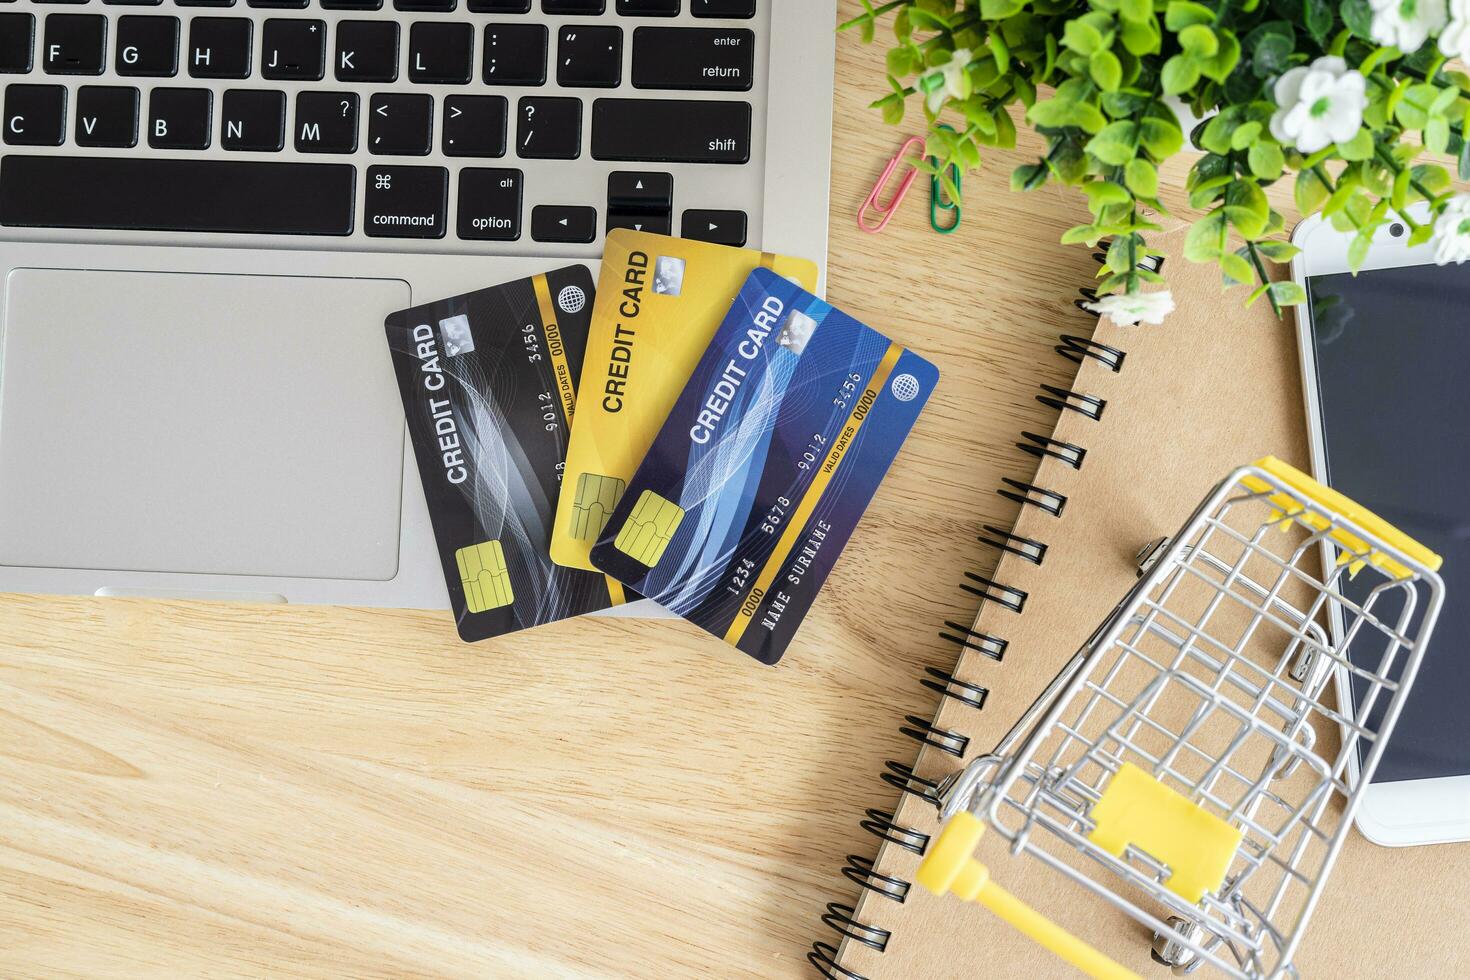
(693, 58)
(671, 130)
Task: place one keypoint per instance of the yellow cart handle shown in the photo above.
(951, 867)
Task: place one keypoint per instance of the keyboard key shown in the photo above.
(489, 205)
(589, 56)
(279, 4)
(205, 3)
(440, 52)
(158, 194)
(293, 49)
(107, 115)
(75, 44)
(401, 125)
(671, 131)
(352, 4)
(178, 118)
(17, 37)
(551, 223)
(693, 58)
(219, 47)
(734, 9)
(573, 6)
(515, 54)
(406, 202)
(367, 51)
(35, 115)
(549, 128)
(720, 227)
(648, 8)
(499, 6)
(147, 46)
(442, 6)
(253, 119)
(474, 125)
(133, 3)
(326, 122)
(656, 222)
(631, 190)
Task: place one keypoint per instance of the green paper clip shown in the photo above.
(938, 200)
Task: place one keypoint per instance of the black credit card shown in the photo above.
(488, 384)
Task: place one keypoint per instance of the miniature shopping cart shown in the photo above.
(1192, 764)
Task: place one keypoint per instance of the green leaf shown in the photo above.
(1162, 138)
(1421, 235)
(1272, 55)
(1180, 74)
(999, 51)
(1357, 16)
(1141, 38)
(1028, 176)
(1199, 40)
(1135, 11)
(1246, 208)
(1311, 193)
(1399, 197)
(1266, 161)
(1358, 251)
(1219, 66)
(1205, 241)
(892, 110)
(1256, 294)
(1115, 144)
(1104, 193)
(1142, 178)
(1437, 134)
(1278, 251)
(1182, 13)
(1106, 70)
(1001, 9)
(1317, 16)
(1081, 37)
(1287, 293)
(1412, 110)
(1245, 134)
(1463, 164)
(1236, 268)
(1360, 147)
(1081, 233)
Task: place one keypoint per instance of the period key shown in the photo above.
(405, 202)
(489, 204)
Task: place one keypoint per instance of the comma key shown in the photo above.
(489, 204)
(406, 202)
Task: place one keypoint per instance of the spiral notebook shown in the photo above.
(1156, 416)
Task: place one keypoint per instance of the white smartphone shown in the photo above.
(1386, 371)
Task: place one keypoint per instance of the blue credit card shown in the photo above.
(765, 465)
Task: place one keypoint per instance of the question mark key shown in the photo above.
(326, 122)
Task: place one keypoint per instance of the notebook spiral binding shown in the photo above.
(881, 824)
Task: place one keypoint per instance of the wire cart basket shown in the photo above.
(1192, 765)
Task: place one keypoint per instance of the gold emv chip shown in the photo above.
(594, 503)
(649, 528)
(485, 577)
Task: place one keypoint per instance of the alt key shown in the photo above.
(489, 204)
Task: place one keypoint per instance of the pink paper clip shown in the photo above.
(871, 205)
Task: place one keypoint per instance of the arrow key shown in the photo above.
(632, 190)
(719, 227)
(555, 223)
(657, 222)
(474, 125)
(400, 125)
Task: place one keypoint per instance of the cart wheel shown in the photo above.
(1148, 556)
(1172, 953)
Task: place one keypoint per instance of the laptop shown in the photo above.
(207, 208)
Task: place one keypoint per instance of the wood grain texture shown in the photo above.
(223, 790)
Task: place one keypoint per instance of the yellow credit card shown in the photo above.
(659, 302)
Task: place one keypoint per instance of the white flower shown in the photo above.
(1452, 231)
(1455, 41)
(956, 81)
(1319, 104)
(1406, 24)
(1126, 309)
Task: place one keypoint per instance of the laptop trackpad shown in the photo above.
(245, 425)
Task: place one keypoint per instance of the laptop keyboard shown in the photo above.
(460, 123)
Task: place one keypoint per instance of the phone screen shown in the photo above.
(1393, 376)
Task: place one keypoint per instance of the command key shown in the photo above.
(406, 202)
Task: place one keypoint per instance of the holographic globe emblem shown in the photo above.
(571, 299)
(905, 387)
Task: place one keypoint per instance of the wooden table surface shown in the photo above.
(229, 790)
